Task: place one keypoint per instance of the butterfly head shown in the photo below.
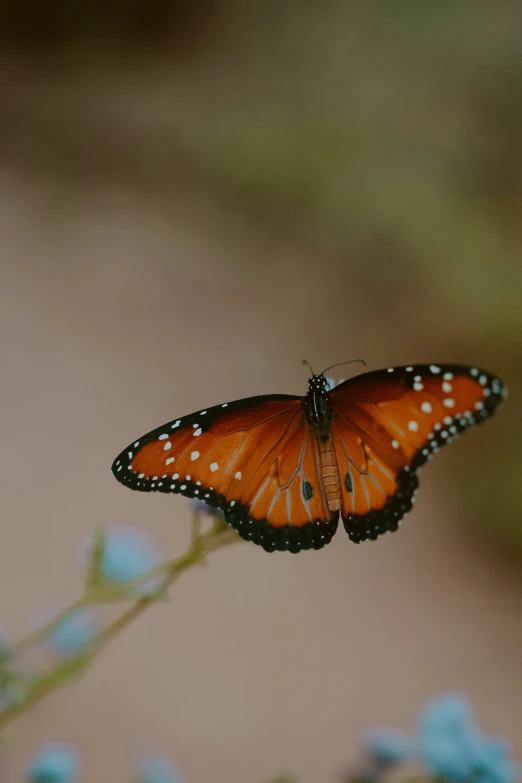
(316, 402)
(317, 383)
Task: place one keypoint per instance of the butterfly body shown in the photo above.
(318, 413)
(284, 468)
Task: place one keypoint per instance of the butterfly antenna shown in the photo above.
(305, 361)
(351, 361)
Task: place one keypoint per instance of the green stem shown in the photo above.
(41, 633)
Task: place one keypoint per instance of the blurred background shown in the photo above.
(194, 197)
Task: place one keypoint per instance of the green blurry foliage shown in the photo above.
(383, 120)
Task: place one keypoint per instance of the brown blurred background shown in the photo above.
(194, 197)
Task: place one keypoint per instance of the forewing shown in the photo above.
(386, 424)
(256, 459)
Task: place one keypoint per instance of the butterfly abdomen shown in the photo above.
(330, 473)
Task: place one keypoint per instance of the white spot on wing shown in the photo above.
(163, 437)
(447, 387)
(198, 432)
(434, 369)
(176, 424)
(448, 376)
(169, 460)
(167, 446)
(194, 455)
(395, 444)
(238, 475)
(214, 467)
(418, 386)
(413, 426)
(448, 402)
(426, 407)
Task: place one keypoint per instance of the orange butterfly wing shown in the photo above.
(256, 459)
(386, 424)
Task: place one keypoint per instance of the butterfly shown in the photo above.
(283, 468)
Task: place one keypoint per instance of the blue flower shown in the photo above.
(493, 763)
(54, 763)
(203, 508)
(75, 633)
(452, 746)
(388, 747)
(331, 383)
(127, 555)
(447, 737)
(158, 769)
